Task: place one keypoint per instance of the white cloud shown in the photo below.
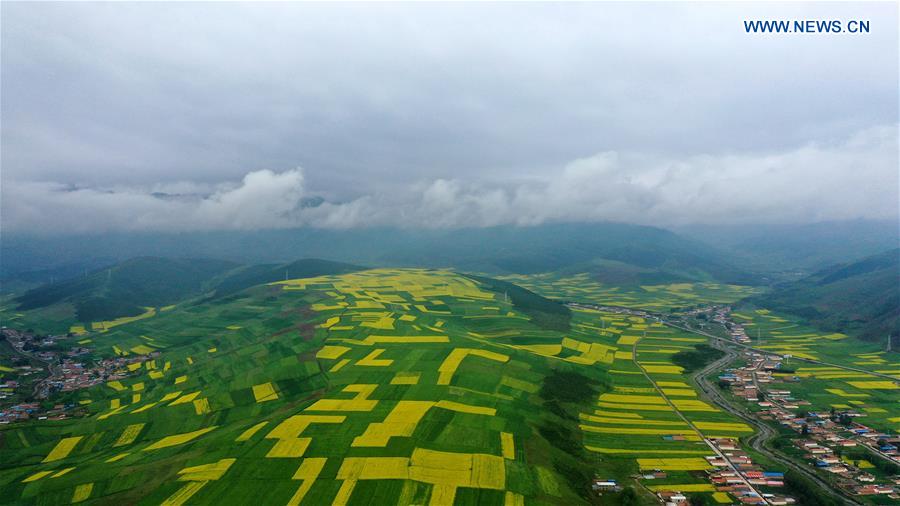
(853, 178)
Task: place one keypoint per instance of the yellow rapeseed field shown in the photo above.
(308, 471)
(372, 360)
(62, 449)
(675, 464)
(129, 434)
(332, 352)
(875, 385)
(82, 492)
(179, 439)
(264, 392)
(247, 434)
(507, 443)
(360, 402)
(406, 378)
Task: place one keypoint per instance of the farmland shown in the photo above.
(651, 418)
(824, 386)
(407, 386)
(661, 297)
(399, 386)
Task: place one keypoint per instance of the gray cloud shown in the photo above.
(436, 114)
(859, 173)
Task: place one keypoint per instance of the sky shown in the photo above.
(203, 116)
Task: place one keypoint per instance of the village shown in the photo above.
(823, 435)
(69, 370)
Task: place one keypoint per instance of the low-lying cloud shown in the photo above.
(847, 179)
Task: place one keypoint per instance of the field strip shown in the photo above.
(689, 423)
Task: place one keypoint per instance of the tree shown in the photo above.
(804, 429)
(628, 497)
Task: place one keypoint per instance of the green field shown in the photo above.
(404, 386)
(583, 288)
(387, 386)
(827, 387)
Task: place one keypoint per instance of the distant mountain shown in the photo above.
(861, 298)
(125, 289)
(605, 247)
(804, 248)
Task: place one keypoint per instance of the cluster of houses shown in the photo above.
(745, 381)
(33, 411)
(733, 472)
(27, 341)
(825, 434)
(821, 450)
(67, 372)
(742, 476)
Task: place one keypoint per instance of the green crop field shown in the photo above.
(393, 386)
(387, 386)
(827, 387)
(583, 288)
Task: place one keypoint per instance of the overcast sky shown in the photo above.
(204, 116)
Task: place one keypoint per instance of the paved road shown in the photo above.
(763, 431)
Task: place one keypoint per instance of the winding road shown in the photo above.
(764, 432)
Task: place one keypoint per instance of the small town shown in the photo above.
(824, 435)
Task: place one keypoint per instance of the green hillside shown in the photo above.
(860, 298)
(403, 386)
(128, 289)
(253, 275)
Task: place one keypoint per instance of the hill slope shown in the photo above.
(387, 386)
(126, 289)
(315, 376)
(861, 297)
